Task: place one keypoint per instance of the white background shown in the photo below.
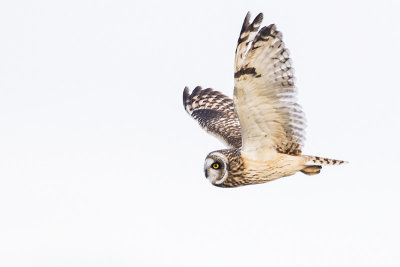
(101, 166)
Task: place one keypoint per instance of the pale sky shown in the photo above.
(101, 166)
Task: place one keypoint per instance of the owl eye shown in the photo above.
(216, 165)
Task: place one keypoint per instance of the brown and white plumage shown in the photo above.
(265, 95)
(264, 124)
(215, 113)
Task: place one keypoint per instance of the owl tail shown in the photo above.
(313, 164)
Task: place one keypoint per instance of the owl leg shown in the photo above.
(312, 170)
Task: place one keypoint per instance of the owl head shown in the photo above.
(216, 167)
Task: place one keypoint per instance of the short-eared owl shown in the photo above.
(263, 125)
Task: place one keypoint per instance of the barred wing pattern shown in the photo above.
(265, 95)
(215, 113)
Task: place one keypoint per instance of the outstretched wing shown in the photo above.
(265, 95)
(215, 113)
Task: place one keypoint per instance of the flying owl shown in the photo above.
(263, 125)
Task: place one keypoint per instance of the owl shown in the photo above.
(263, 126)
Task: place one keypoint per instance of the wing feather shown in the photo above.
(215, 113)
(265, 95)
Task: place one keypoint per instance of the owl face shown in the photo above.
(216, 168)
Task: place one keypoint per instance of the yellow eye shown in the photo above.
(216, 166)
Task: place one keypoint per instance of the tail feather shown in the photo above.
(312, 160)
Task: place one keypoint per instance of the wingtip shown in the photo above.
(186, 91)
(248, 15)
(185, 96)
(246, 22)
(256, 21)
(259, 18)
(196, 90)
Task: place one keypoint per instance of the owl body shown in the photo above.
(263, 125)
(244, 171)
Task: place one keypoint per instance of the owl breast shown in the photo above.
(244, 171)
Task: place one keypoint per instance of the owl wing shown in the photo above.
(215, 113)
(265, 95)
